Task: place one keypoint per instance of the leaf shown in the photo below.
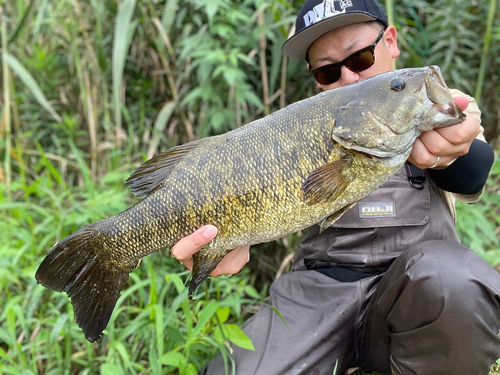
(212, 6)
(239, 338)
(206, 314)
(58, 327)
(160, 333)
(174, 359)
(169, 13)
(252, 292)
(223, 314)
(335, 368)
(191, 369)
(159, 127)
(279, 314)
(120, 348)
(233, 75)
(31, 84)
(110, 369)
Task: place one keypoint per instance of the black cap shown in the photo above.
(317, 17)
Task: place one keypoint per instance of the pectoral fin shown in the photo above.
(329, 221)
(326, 183)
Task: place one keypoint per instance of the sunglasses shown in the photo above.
(356, 62)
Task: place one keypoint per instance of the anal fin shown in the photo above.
(329, 221)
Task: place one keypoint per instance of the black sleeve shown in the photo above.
(469, 173)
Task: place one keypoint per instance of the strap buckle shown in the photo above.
(416, 176)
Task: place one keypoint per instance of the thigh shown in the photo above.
(320, 314)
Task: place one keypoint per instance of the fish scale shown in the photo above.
(299, 166)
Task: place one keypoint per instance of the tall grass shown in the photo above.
(154, 328)
(91, 89)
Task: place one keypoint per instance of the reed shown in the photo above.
(5, 119)
(122, 37)
(484, 55)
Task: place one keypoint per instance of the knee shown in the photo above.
(448, 271)
(437, 257)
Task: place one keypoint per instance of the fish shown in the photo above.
(305, 164)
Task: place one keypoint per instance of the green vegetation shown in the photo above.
(90, 89)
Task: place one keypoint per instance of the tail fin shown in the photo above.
(81, 267)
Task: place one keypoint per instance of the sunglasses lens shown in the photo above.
(360, 61)
(327, 74)
(357, 62)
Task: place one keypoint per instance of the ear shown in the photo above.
(391, 40)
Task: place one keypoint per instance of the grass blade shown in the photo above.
(122, 38)
(160, 124)
(31, 84)
(168, 17)
(207, 313)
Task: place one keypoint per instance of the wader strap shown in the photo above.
(416, 176)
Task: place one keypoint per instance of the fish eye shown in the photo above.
(397, 84)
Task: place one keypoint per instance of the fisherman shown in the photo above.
(389, 287)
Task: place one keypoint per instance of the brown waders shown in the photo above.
(388, 288)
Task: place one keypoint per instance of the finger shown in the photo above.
(188, 263)
(420, 156)
(233, 262)
(187, 246)
(451, 141)
(423, 159)
(462, 102)
(437, 145)
(461, 134)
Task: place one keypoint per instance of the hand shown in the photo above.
(232, 263)
(448, 143)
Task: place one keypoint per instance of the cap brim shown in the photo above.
(297, 45)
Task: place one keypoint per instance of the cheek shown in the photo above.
(383, 63)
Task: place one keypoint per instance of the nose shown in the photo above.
(348, 76)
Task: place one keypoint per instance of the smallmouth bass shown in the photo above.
(305, 164)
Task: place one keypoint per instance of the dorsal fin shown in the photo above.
(150, 176)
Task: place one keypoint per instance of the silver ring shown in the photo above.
(451, 162)
(436, 163)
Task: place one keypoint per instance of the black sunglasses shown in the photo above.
(357, 62)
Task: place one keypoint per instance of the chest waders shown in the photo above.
(403, 212)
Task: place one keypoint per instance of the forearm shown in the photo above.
(469, 173)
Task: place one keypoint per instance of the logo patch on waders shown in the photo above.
(369, 210)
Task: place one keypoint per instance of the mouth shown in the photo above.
(438, 94)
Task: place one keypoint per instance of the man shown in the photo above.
(391, 293)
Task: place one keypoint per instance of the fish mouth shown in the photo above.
(436, 94)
